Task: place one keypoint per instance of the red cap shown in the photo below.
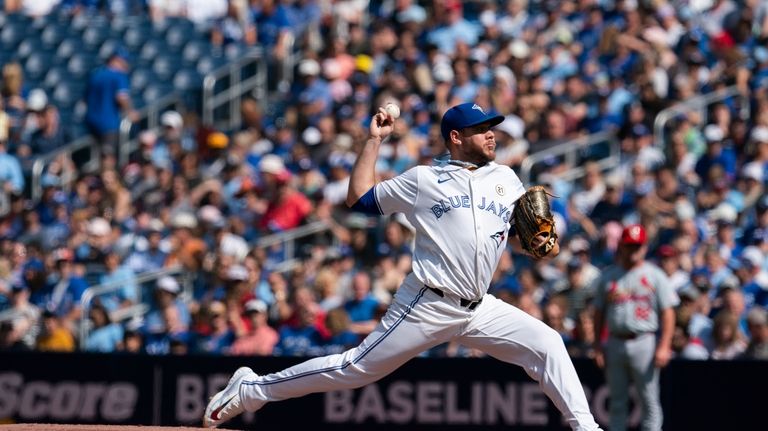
(633, 234)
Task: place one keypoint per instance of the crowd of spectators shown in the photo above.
(199, 199)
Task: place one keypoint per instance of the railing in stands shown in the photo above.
(139, 309)
(571, 151)
(240, 79)
(698, 103)
(89, 161)
(148, 119)
(84, 144)
(288, 238)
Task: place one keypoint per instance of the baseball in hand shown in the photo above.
(392, 110)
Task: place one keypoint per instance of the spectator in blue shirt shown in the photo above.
(313, 95)
(67, 288)
(717, 154)
(220, 337)
(303, 338)
(453, 29)
(50, 135)
(363, 305)
(117, 274)
(342, 338)
(108, 96)
(105, 335)
(272, 27)
(11, 177)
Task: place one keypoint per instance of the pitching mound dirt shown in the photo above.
(58, 427)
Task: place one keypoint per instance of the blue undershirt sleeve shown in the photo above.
(367, 203)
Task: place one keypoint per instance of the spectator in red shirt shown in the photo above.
(261, 338)
(287, 207)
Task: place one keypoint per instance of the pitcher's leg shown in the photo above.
(646, 376)
(513, 336)
(399, 336)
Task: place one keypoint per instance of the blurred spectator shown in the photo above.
(166, 304)
(54, 337)
(261, 338)
(685, 344)
(104, 335)
(757, 320)
(66, 287)
(231, 28)
(582, 343)
(117, 274)
(753, 277)
(186, 249)
(11, 177)
(4, 122)
(287, 208)
(727, 337)
(302, 338)
(33, 8)
(107, 97)
(576, 287)
(204, 13)
(363, 305)
(312, 92)
(14, 104)
(452, 29)
(50, 134)
(756, 230)
(162, 9)
(670, 263)
(167, 323)
(269, 26)
(219, 337)
(718, 154)
(132, 342)
(22, 317)
(555, 317)
(327, 288)
(342, 338)
(149, 255)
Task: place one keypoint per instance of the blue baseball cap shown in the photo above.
(466, 115)
(121, 52)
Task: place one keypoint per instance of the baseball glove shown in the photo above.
(534, 222)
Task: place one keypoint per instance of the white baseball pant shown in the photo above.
(419, 319)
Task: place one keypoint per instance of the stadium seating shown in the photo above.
(57, 52)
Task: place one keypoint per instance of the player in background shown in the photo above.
(634, 300)
(462, 212)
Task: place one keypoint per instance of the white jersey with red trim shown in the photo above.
(633, 299)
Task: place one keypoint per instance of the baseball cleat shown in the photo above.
(227, 403)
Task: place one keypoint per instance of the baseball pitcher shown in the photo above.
(463, 210)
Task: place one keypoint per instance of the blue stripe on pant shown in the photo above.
(382, 352)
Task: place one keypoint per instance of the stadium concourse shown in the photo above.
(214, 212)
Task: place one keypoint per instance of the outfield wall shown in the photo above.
(425, 394)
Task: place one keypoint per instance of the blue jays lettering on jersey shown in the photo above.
(464, 216)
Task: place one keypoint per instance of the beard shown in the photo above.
(479, 155)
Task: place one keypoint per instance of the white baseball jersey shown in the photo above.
(462, 219)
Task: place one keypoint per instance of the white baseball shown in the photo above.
(392, 110)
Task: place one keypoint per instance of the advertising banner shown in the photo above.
(425, 394)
